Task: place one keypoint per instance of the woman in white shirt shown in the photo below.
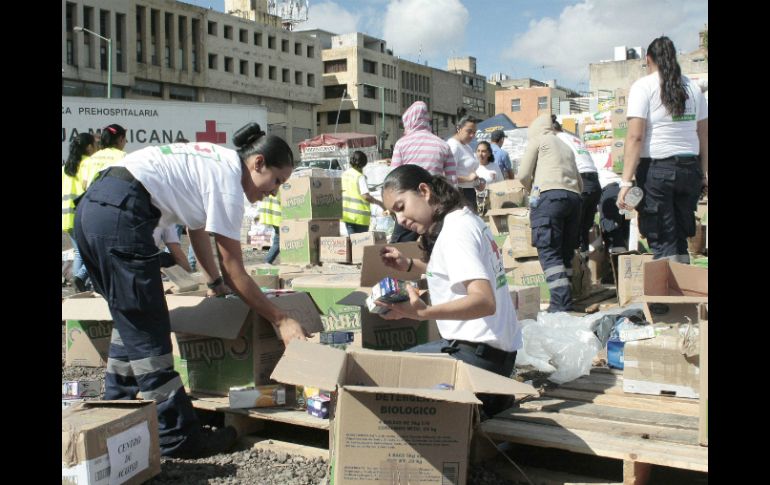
(667, 151)
(467, 180)
(466, 278)
(488, 168)
(202, 186)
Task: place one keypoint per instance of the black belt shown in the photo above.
(675, 158)
(480, 349)
(119, 173)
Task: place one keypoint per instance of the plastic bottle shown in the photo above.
(534, 197)
(633, 197)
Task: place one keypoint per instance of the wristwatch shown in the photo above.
(215, 283)
(623, 183)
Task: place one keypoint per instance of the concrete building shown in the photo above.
(523, 100)
(163, 49)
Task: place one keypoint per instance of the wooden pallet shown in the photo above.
(592, 415)
(248, 421)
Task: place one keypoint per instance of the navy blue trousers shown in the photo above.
(114, 222)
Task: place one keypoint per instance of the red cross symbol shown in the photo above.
(211, 134)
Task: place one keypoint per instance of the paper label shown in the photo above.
(95, 471)
(129, 452)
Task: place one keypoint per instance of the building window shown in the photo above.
(228, 64)
(168, 21)
(139, 29)
(271, 42)
(331, 117)
(366, 117)
(182, 42)
(334, 91)
(285, 75)
(257, 70)
(120, 27)
(88, 14)
(338, 65)
(196, 27)
(370, 92)
(515, 105)
(182, 93)
(245, 68)
(542, 102)
(311, 51)
(258, 38)
(154, 34)
(271, 73)
(212, 61)
(243, 36)
(311, 80)
(147, 88)
(284, 45)
(297, 49)
(70, 44)
(229, 32)
(370, 67)
(212, 28)
(298, 78)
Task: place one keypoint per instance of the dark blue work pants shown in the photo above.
(615, 227)
(114, 222)
(555, 224)
(592, 192)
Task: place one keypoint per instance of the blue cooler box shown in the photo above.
(615, 353)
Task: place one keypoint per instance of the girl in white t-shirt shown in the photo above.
(459, 143)
(466, 278)
(667, 151)
(488, 168)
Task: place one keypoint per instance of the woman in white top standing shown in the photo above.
(467, 180)
(488, 168)
(469, 293)
(667, 150)
(202, 186)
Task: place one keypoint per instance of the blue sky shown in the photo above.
(541, 39)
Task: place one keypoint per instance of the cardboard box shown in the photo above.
(681, 287)
(311, 198)
(526, 300)
(629, 277)
(501, 221)
(618, 155)
(621, 97)
(81, 388)
(657, 366)
(110, 442)
(373, 269)
(362, 239)
(266, 396)
(697, 243)
(300, 239)
(507, 194)
(334, 249)
(529, 273)
(619, 123)
(88, 329)
(327, 291)
(389, 424)
(703, 414)
(267, 281)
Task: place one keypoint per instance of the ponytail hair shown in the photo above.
(77, 149)
(672, 90)
(444, 197)
(111, 135)
(251, 140)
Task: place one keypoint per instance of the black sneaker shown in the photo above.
(206, 442)
(658, 308)
(79, 284)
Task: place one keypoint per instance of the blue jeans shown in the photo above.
(275, 246)
(491, 403)
(78, 268)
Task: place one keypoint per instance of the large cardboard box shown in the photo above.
(529, 273)
(391, 424)
(300, 239)
(526, 300)
(680, 287)
(619, 123)
(107, 442)
(629, 277)
(507, 194)
(311, 198)
(373, 269)
(326, 291)
(703, 414)
(358, 241)
(621, 97)
(658, 366)
(334, 249)
(502, 220)
(88, 329)
(618, 155)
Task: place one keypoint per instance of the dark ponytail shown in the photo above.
(77, 150)
(672, 90)
(111, 135)
(444, 197)
(251, 140)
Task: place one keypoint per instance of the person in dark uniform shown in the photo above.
(549, 172)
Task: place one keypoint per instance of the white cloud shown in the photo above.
(332, 17)
(588, 31)
(436, 26)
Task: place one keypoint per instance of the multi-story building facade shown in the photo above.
(163, 49)
(523, 100)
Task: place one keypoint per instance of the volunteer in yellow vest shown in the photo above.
(355, 195)
(81, 147)
(270, 215)
(113, 141)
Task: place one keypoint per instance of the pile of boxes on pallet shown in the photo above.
(673, 359)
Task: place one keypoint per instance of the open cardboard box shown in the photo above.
(681, 287)
(390, 421)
